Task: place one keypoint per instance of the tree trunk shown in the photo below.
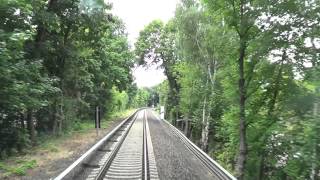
(31, 128)
(186, 127)
(204, 132)
(261, 168)
(53, 117)
(58, 117)
(173, 99)
(191, 132)
(206, 118)
(22, 126)
(61, 118)
(22, 121)
(316, 151)
(242, 157)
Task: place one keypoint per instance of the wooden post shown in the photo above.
(97, 120)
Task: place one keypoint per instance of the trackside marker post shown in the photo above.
(97, 120)
(162, 112)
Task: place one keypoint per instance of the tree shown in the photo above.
(156, 44)
(60, 59)
(263, 46)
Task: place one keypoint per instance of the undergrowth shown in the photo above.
(20, 168)
(17, 166)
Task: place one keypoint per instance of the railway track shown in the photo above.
(125, 153)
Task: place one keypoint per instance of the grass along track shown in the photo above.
(44, 160)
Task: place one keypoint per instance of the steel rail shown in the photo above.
(75, 167)
(145, 150)
(215, 168)
(145, 164)
(113, 154)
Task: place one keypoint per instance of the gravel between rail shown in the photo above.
(174, 160)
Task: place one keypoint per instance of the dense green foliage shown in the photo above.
(243, 77)
(58, 60)
(243, 80)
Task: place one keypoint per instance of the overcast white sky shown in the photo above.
(136, 14)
